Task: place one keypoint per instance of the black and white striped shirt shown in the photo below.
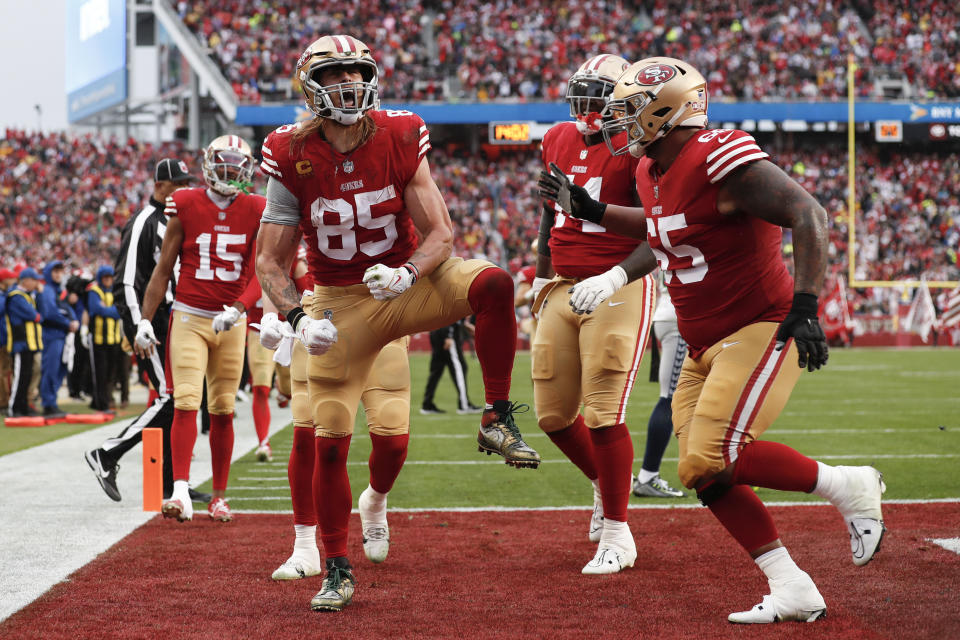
(140, 246)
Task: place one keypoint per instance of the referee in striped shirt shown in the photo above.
(139, 250)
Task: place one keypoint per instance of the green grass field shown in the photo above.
(18, 438)
(898, 410)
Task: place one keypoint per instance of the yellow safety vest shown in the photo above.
(105, 330)
(30, 332)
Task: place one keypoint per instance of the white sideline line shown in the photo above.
(498, 460)
(637, 507)
(950, 544)
(56, 518)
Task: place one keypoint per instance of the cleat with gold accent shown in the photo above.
(337, 588)
(499, 434)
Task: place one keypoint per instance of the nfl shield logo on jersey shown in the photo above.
(583, 154)
(222, 215)
(348, 166)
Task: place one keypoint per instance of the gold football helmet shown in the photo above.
(228, 165)
(652, 97)
(589, 89)
(353, 99)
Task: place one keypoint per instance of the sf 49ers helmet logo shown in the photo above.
(655, 74)
(303, 58)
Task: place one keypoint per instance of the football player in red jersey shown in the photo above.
(386, 400)
(213, 232)
(356, 182)
(714, 211)
(592, 359)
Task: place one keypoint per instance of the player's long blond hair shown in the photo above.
(365, 129)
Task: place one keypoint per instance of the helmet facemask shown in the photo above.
(343, 102)
(587, 98)
(227, 171)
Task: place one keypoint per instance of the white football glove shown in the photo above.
(538, 284)
(588, 294)
(145, 338)
(225, 320)
(85, 336)
(386, 282)
(276, 336)
(317, 336)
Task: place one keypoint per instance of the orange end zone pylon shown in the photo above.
(152, 469)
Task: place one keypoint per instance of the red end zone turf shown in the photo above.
(505, 575)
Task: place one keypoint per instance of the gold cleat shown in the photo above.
(499, 434)
(337, 589)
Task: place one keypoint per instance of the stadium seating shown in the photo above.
(68, 197)
(521, 50)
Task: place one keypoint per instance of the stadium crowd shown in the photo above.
(512, 50)
(53, 204)
(66, 198)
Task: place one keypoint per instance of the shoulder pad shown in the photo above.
(727, 149)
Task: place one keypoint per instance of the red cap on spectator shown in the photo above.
(7, 274)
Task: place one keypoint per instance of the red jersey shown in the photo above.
(527, 274)
(352, 212)
(722, 272)
(217, 254)
(580, 249)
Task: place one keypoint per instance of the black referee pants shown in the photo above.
(22, 371)
(158, 415)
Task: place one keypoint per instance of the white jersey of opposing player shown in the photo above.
(664, 311)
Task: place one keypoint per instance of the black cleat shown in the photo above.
(431, 410)
(106, 472)
(197, 496)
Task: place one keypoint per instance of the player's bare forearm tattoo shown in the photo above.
(764, 191)
(279, 287)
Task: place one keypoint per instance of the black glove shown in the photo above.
(802, 325)
(574, 199)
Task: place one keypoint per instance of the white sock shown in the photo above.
(596, 488)
(646, 476)
(375, 499)
(830, 482)
(777, 565)
(306, 537)
(181, 490)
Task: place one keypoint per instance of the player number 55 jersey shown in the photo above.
(722, 272)
(352, 212)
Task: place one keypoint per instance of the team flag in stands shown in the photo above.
(951, 310)
(835, 314)
(950, 319)
(922, 315)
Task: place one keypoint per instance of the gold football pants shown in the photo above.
(729, 397)
(365, 326)
(591, 358)
(195, 351)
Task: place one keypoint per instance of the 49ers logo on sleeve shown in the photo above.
(655, 74)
